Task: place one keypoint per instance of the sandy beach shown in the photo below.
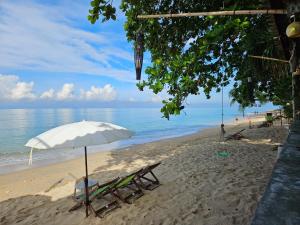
(198, 187)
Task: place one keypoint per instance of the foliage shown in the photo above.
(101, 7)
(288, 110)
(198, 54)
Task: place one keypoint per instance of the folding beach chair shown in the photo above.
(146, 182)
(100, 193)
(127, 189)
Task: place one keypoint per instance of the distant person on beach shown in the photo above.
(250, 124)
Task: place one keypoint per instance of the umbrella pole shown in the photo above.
(30, 158)
(86, 185)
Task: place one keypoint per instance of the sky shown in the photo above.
(51, 56)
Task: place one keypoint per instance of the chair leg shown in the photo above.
(157, 181)
(107, 208)
(135, 194)
(141, 182)
(152, 183)
(118, 194)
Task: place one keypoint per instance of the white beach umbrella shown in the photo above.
(80, 134)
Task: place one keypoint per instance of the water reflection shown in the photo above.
(65, 116)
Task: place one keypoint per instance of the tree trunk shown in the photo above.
(296, 96)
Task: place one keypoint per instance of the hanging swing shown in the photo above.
(223, 153)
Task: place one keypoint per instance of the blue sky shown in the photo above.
(50, 53)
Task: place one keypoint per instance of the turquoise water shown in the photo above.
(17, 126)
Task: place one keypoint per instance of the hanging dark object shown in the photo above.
(138, 54)
(250, 90)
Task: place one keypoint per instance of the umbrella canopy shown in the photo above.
(80, 134)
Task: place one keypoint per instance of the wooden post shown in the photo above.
(296, 95)
(86, 185)
(217, 13)
(295, 69)
(280, 117)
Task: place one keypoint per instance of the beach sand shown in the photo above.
(197, 186)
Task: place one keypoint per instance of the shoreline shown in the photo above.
(120, 146)
(9, 169)
(19, 161)
(16, 159)
(125, 148)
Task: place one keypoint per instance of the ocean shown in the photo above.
(17, 126)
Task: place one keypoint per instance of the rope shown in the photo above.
(222, 132)
(222, 105)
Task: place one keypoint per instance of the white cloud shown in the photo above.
(131, 99)
(156, 98)
(11, 88)
(23, 90)
(107, 93)
(7, 83)
(14, 89)
(48, 94)
(66, 93)
(47, 37)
